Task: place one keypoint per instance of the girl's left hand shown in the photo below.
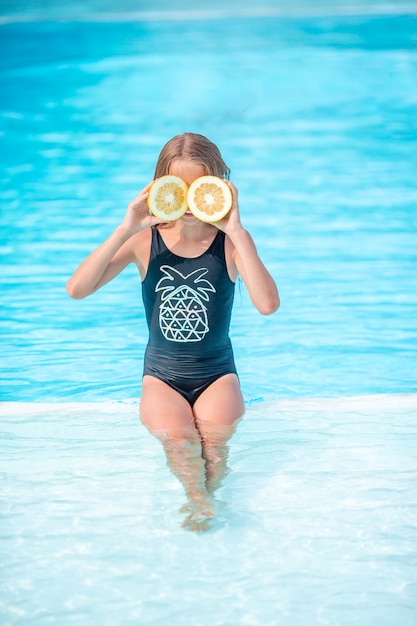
(231, 222)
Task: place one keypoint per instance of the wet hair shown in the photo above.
(195, 148)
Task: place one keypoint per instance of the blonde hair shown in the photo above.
(195, 148)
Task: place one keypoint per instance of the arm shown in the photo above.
(261, 286)
(112, 256)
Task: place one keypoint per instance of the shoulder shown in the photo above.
(140, 248)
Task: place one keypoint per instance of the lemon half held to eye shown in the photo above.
(167, 198)
(209, 198)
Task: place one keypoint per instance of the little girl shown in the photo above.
(191, 398)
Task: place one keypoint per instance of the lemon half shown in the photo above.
(209, 198)
(167, 198)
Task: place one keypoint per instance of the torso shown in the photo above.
(188, 305)
(188, 300)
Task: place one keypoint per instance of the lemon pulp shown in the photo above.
(167, 198)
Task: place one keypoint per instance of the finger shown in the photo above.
(231, 185)
(155, 221)
(144, 192)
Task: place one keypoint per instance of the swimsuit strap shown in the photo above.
(157, 245)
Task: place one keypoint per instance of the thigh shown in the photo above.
(221, 404)
(162, 409)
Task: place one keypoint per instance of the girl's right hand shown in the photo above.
(137, 216)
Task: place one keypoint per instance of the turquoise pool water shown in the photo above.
(316, 115)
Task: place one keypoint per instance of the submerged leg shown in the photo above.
(169, 417)
(217, 412)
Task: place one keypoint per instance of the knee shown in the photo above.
(215, 452)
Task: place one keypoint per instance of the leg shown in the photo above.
(217, 413)
(169, 417)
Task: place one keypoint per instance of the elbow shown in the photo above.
(74, 291)
(270, 306)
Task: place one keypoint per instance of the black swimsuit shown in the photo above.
(188, 305)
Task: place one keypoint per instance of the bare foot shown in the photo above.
(199, 515)
(199, 525)
(186, 508)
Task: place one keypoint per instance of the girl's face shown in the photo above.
(187, 170)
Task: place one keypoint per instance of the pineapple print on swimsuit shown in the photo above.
(188, 304)
(182, 313)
